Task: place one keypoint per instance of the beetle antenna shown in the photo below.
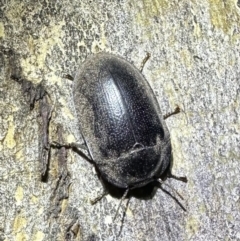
(173, 189)
(123, 197)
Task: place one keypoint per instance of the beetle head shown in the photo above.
(137, 167)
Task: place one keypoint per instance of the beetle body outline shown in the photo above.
(121, 122)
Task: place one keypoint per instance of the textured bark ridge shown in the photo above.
(46, 194)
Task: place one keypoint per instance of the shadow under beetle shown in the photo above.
(121, 123)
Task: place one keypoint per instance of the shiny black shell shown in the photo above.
(121, 121)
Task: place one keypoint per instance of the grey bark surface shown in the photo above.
(194, 63)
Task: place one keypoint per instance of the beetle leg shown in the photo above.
(119, 205)
(176, 111)
(94, 201)
(182, 179)
(68, 76)
(144, 61)
(78, 148)
(72, 145)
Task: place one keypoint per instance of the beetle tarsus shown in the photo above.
(94, 201)
(182, 179)
(68, 76)
(145, 61)
(176, 111)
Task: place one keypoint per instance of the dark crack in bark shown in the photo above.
(33, 93)
(60, 191)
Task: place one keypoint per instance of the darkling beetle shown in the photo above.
(121, 122)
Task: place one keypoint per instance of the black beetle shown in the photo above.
(121, 122)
